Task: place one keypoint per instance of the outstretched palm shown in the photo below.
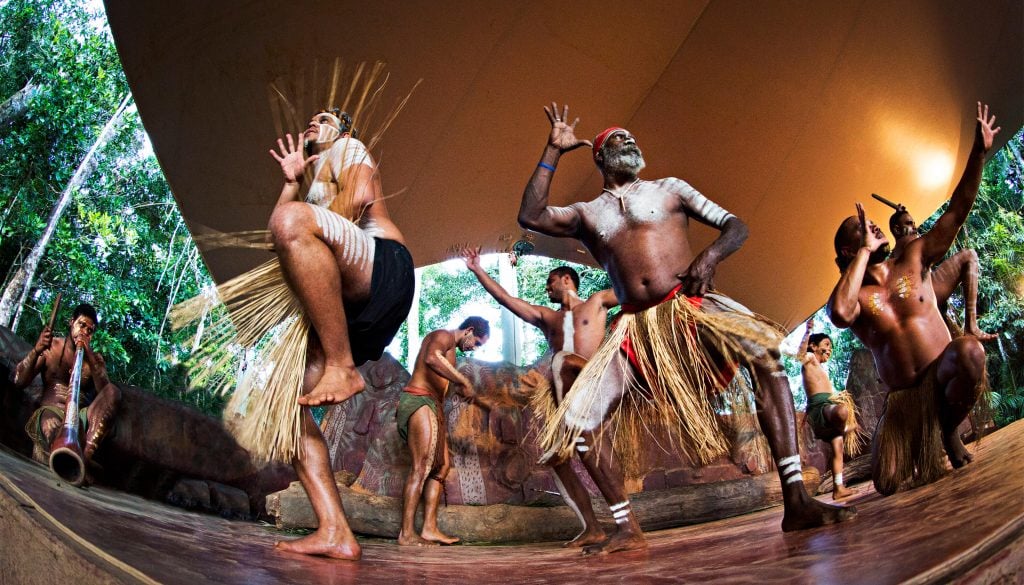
(293, 160)
(985, 130)
(563, 134)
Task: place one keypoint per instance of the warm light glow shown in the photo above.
(934, 169)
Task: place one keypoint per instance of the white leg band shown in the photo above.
(623, 520)
(619, 506)
(839, 478)
(582, 448)
(621, 513)
(789, 469)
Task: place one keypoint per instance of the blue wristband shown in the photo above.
(546, 166)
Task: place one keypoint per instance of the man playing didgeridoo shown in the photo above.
(421, 423)
(960, 268)
(933, 381)
(831, 414)
(676, 341)
(355, 283)
(54, 358)
(574, 332)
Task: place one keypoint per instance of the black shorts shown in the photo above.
(373, 323)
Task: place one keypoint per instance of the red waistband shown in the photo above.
(416, 391)
(637, 307)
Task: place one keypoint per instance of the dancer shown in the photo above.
(960, 268)
(574, 332)
(421, 423)
(831, 414)
(675, 333)
(890, 303)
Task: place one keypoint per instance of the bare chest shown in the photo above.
(640, 206)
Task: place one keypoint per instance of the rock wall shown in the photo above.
(493, 450)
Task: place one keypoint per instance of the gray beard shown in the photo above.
(626, 160)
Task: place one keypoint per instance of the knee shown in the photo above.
(971, 256)
(112, 394)
(441, 473)
(970, 355)
(288, 222)
(842, 413)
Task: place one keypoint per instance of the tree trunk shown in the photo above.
(15, 106)
(18, 288)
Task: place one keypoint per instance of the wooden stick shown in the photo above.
(895, 206)
(53, 314)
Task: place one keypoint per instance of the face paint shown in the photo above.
(328, 133)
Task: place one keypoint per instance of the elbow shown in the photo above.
(527, 221)
(738, 229)
(840, 318)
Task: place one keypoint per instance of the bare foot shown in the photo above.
(326, 543)
(955, 449)
(338, 384)
(587, 537)
(839, 492)
(413, 540)
(977, 332)
(620, 541)
(811, 513)
(438, 537)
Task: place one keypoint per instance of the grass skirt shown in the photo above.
(679, 351)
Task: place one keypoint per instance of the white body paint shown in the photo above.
(568, 332)
(589, 417)
(344, 153)
(645, 202)
(789, 469)
(357, 247)
(356, 243)
(569, 501)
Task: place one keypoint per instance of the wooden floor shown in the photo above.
(969, 525)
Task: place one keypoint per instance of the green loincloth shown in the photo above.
(34, 426)
(816, 404)
(407, 405)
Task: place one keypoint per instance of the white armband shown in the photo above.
(701, 206)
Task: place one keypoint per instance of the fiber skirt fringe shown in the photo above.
(681, 351)
(853, 439)
(265, 324)
(909, 448)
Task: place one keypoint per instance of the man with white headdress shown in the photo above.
(354, 280)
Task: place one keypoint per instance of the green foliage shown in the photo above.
(121, 244)
(446, 289)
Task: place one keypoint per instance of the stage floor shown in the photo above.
(969, 526)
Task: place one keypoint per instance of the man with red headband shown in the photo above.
(677, 341)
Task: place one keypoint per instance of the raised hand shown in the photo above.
(871, 236)
(292, 158)
(985, 133)
(45, 338)
(472, 258)
(563, 134)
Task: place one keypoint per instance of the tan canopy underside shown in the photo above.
(784, 113)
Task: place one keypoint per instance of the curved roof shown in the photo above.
(784, 113)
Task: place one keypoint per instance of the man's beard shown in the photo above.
(626, 160)
(879, 255)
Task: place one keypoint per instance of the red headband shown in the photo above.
(602, 137)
